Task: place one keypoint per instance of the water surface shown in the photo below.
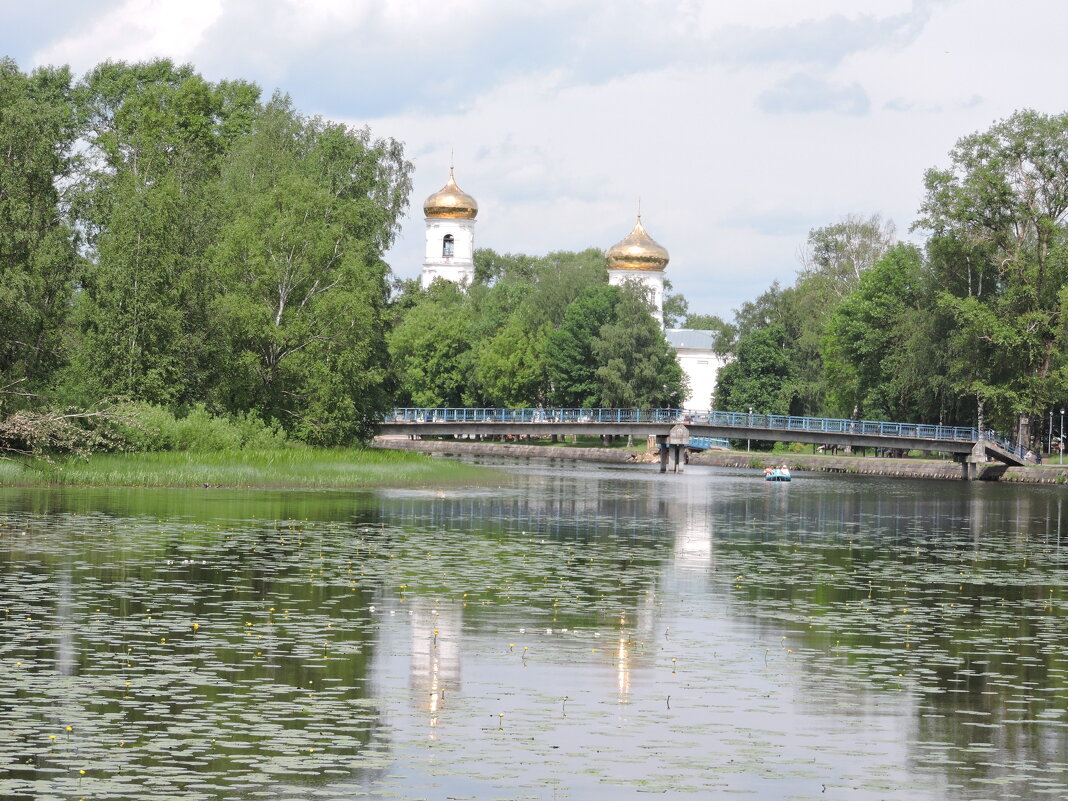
(578, 632)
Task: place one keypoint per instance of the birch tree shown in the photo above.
(997, 217)
(38, 259)
(310, 206)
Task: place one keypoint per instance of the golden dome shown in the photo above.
(451, 201)
(637, 251)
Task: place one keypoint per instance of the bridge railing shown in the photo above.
(1007, 443)
(831, 425)
(740, 420)
(531, 415)
(709, 442)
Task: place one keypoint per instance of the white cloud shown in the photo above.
(740, 125)
(777, 13)
(803, 94)
(132, 31)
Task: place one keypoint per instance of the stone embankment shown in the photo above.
(868, 465)
(616, 455)
(861, 465)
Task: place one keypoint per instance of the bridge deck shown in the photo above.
(733, 425)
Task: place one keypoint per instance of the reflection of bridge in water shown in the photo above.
(969, 446)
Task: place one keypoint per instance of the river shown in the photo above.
(577, 632)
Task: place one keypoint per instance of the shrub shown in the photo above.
(148, 427)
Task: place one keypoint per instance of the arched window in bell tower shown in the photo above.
(447, 246)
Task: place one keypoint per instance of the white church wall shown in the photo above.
(700, 363)
(653, 280)
(460, 266)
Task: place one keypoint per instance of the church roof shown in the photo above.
(690, 338)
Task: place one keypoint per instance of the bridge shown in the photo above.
(969, 446)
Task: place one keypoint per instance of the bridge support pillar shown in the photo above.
(672, 446)
(971, 462)
(670, 452)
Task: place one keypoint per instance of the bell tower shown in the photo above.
(638, 257)
(450, 235)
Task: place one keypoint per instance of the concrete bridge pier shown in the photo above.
(970, 463)
(669, 453)
(673, 443)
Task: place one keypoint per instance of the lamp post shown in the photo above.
(1049, 434)
(751, 425)
(1061, 448)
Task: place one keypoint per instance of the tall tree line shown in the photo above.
(176, 241)
(969, 328)
(172, 240)
(184, 243)
(532, 331)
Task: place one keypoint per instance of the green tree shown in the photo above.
(675, 307)
(508, 316)
(999, 243)
(768, 308)
(833, 261)
(760, 375)
(838, 254)
(430, 349)
(511, 367)
(881, 351)
(570, 358)
(800, 312)
(637, 367)
(492, 267)
(156, 136)
(38, 261)
(515, 316)
(560, 278)
(310, 206)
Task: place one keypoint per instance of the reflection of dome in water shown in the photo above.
(637, 251)
(451, 202)
(435, 657)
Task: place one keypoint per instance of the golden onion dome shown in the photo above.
(451, 202)
(637, 251)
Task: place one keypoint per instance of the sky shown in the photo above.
(739, 126)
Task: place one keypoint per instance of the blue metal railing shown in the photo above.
(833, 425)
(709, 442)
(532, 415)
(740, 420)
(771, 422)
(1010, 445)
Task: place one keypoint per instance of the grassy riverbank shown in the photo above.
(309, 468)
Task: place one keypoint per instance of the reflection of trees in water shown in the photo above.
(100, 601)
(973, 564)
(559, 507)
(572, 552)
(982, 641)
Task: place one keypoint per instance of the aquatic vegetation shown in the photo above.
(310, 468)
(849, 638)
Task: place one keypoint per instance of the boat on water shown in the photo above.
(777, 473)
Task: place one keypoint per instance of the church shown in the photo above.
(450, 249)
